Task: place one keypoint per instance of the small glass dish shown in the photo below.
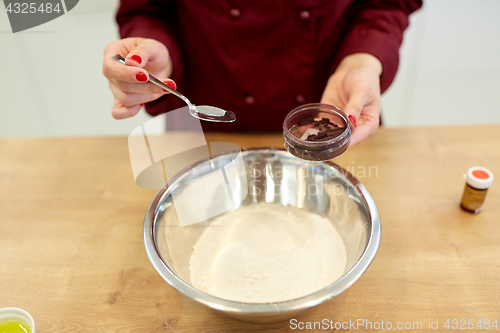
(16, 317)
(316, 150)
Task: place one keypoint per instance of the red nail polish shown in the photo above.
(136, 58)
(171, 84)
(141, 105)
(353, 120)
(141, 77)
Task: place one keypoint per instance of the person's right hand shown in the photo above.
(129, 83)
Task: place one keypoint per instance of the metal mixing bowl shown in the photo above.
(272, 175)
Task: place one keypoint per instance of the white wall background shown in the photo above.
(51, 82)
(450, 66)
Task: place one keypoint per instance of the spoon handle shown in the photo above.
(227, 117)
(118, 58)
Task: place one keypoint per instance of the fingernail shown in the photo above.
(171, 84)
(353, 120)
(141, 77)
(136, 58)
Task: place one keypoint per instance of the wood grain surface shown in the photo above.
(71, 250)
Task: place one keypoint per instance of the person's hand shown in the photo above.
(129, 83)
(355, 88)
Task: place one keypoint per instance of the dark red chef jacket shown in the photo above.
(261, 59)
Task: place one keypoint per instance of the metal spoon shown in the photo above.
(203, 112)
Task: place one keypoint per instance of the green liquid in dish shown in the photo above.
(14, 327)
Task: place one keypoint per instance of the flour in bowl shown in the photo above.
(267, 252)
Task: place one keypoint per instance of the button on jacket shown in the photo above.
(261, 59)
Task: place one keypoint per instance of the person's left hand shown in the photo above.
(354, 87)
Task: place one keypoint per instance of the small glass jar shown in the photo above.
(316, 150)
(477, 182)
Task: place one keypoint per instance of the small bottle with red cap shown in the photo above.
(478, 180)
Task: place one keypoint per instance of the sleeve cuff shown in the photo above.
(148, 27)
(376, 43)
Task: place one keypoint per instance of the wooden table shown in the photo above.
(71, 250)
